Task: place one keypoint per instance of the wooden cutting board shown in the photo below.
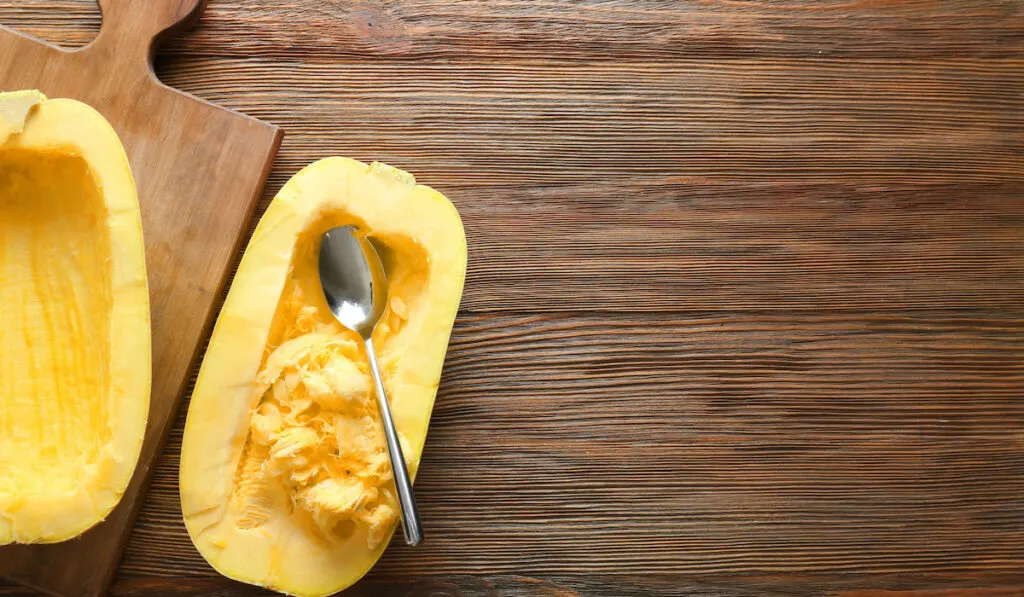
(199, 170)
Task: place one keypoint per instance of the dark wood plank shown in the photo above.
(690, 186)
(873, 122)
(698, 246)
(705, 445)
(584, 31)
(67, 23)
(640, 585)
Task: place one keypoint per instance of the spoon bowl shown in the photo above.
(353, 280)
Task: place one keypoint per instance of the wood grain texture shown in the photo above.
(753, 184)
(199, 170)
(745, 306)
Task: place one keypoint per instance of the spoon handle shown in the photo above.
(410, 515)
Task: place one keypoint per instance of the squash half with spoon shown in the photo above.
(285, 477)
(74, 319)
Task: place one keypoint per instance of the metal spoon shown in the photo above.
(356, 289)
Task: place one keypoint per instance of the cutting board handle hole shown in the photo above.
(131, 29)
(71, 25)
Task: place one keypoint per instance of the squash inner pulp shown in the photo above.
(316, 448)
(55, 309)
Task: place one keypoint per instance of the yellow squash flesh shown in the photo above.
(285, 478)
(74, 319)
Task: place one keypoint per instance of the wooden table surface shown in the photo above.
(745, 304)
